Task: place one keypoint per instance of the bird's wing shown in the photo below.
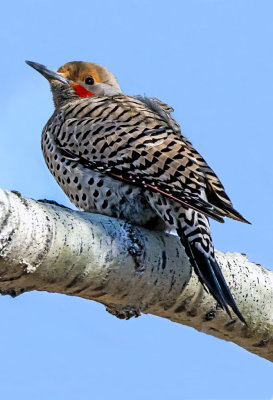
(153, 158)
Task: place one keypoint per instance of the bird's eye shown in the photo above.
(89, 80)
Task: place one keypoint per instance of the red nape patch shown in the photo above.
(81, 91)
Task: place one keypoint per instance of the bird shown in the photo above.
(125, 157)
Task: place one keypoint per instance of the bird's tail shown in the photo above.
(194, 231)
(209, 272)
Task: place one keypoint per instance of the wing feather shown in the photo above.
(155, 158)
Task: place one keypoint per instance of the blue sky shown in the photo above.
(211, 60)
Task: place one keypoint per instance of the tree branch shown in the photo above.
(129, 269)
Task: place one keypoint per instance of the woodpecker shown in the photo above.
(125, 157)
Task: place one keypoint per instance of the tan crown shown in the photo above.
(78, 71)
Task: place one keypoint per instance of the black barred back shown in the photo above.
(118, 156)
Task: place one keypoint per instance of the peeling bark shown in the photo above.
(129, 269)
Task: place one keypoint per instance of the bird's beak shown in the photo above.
(47, 73)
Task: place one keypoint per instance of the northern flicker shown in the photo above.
(125, 157)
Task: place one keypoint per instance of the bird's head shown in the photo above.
(78, 79)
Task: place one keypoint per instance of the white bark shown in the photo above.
(129, 269)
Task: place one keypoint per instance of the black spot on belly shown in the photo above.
(129, 190)
(104, 204)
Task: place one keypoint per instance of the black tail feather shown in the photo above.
(211, 277)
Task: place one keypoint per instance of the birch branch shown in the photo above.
(128, 269)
